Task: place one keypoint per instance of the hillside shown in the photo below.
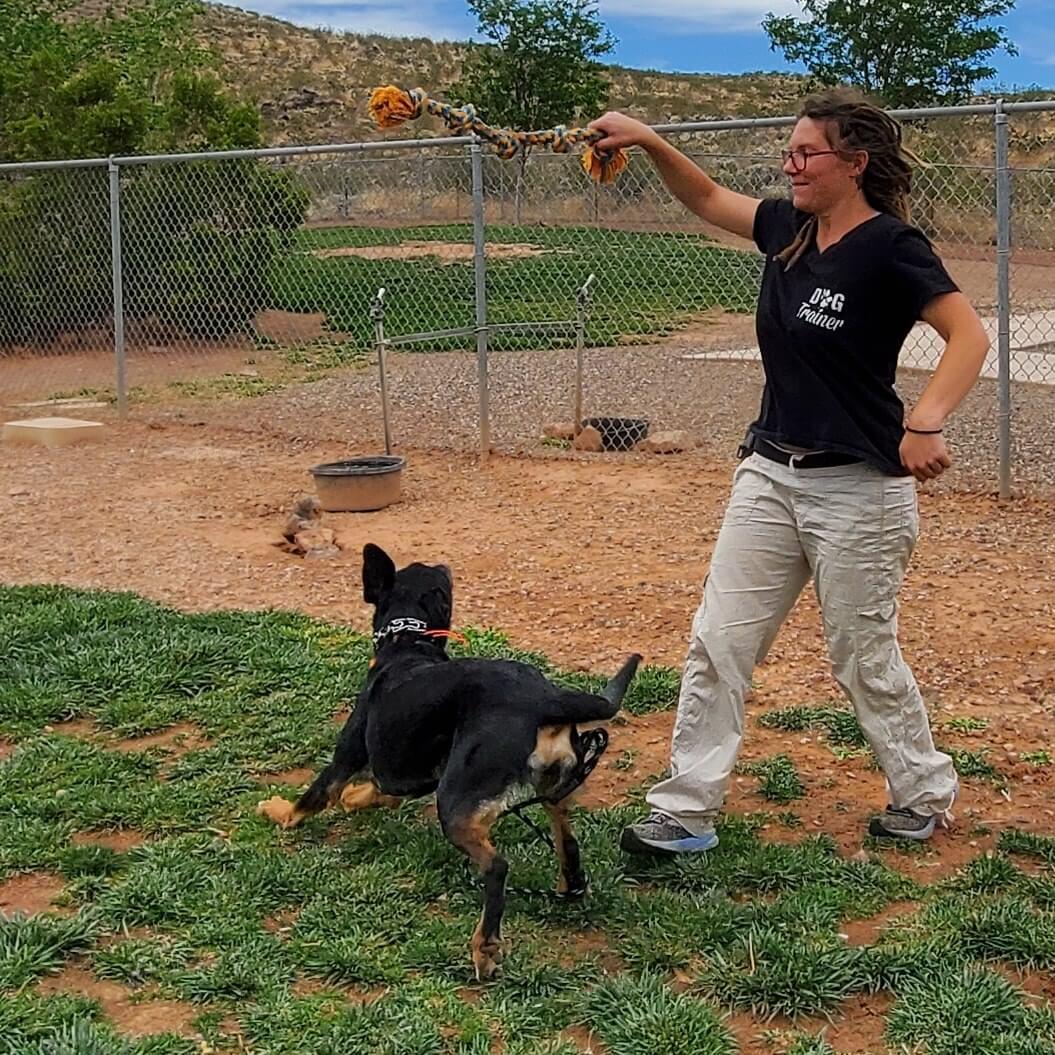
(312, 84)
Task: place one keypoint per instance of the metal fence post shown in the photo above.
(480, 276)
(118, 286)
(1003, 295)
(582, 306)
(377, 314)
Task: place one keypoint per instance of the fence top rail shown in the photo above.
(226, 155)
(974, 110)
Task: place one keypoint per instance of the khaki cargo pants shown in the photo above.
(852, 530)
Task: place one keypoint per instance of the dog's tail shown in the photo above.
(595, 707)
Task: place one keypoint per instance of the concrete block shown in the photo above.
(52, 432)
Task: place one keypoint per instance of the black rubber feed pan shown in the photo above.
(619, 434)
(377, 464)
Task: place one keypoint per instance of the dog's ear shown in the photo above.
(379, 573)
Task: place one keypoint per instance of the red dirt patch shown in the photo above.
(1040, 987)
(81, 728)
(293, 777)
(6, 749)
(281, 921)
(584, 1039)
(858, 1026)
(108, 941)
(290, 327)
(31, 894)
(139, 1018)
(177, 740)
(589, 943)
(445, 252)
(119, 841)
(867, 931)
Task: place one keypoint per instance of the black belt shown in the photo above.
(819, 460)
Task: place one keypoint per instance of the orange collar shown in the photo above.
(460, 638)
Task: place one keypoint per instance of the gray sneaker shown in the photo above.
(658, 833)
(896, 823)
(902, 824)
(906, 824)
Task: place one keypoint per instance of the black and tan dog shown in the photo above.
(483, 734)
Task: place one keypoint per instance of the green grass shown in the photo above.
(966, 725)
(778, 779)
(1037, 758)
(837, 722)
(424, 294)
(974, 764)
(350, 935)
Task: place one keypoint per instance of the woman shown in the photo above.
(825, 489)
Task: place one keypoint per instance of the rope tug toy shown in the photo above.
(391, 106)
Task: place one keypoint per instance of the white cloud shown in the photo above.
(410, 19)
(443, 20)
(716, 16)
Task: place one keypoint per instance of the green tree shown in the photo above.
(539, 66)
(126, 83)
(199, 238)
(908, 54)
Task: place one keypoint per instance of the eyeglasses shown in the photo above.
(800, 158)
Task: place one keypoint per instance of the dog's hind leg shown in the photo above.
(470, 831)
(349, 759)
(365, 797)
(572, 882)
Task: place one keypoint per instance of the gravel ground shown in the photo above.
(434, 405)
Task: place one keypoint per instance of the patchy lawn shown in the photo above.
(166, 918)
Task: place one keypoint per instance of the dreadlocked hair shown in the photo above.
(854, 124)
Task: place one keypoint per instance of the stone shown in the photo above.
(312, 543)
(559, 430)
(52, 432)
(669, 442)
(588, 440)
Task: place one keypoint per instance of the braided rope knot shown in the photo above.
(392, 106)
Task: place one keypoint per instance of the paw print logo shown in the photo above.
(826, 300)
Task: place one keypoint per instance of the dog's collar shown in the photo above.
(399, 626)
(409, 625)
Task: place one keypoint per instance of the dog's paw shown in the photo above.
(574, 889)
(277, 809)
(487, 960)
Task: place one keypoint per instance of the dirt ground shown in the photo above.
(585, 560)
(445, 252)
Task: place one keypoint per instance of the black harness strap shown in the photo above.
(589, 749)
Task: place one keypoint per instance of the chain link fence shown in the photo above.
(517, 301)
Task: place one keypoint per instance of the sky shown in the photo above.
(687, 36)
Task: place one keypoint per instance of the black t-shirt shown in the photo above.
(830, 331)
